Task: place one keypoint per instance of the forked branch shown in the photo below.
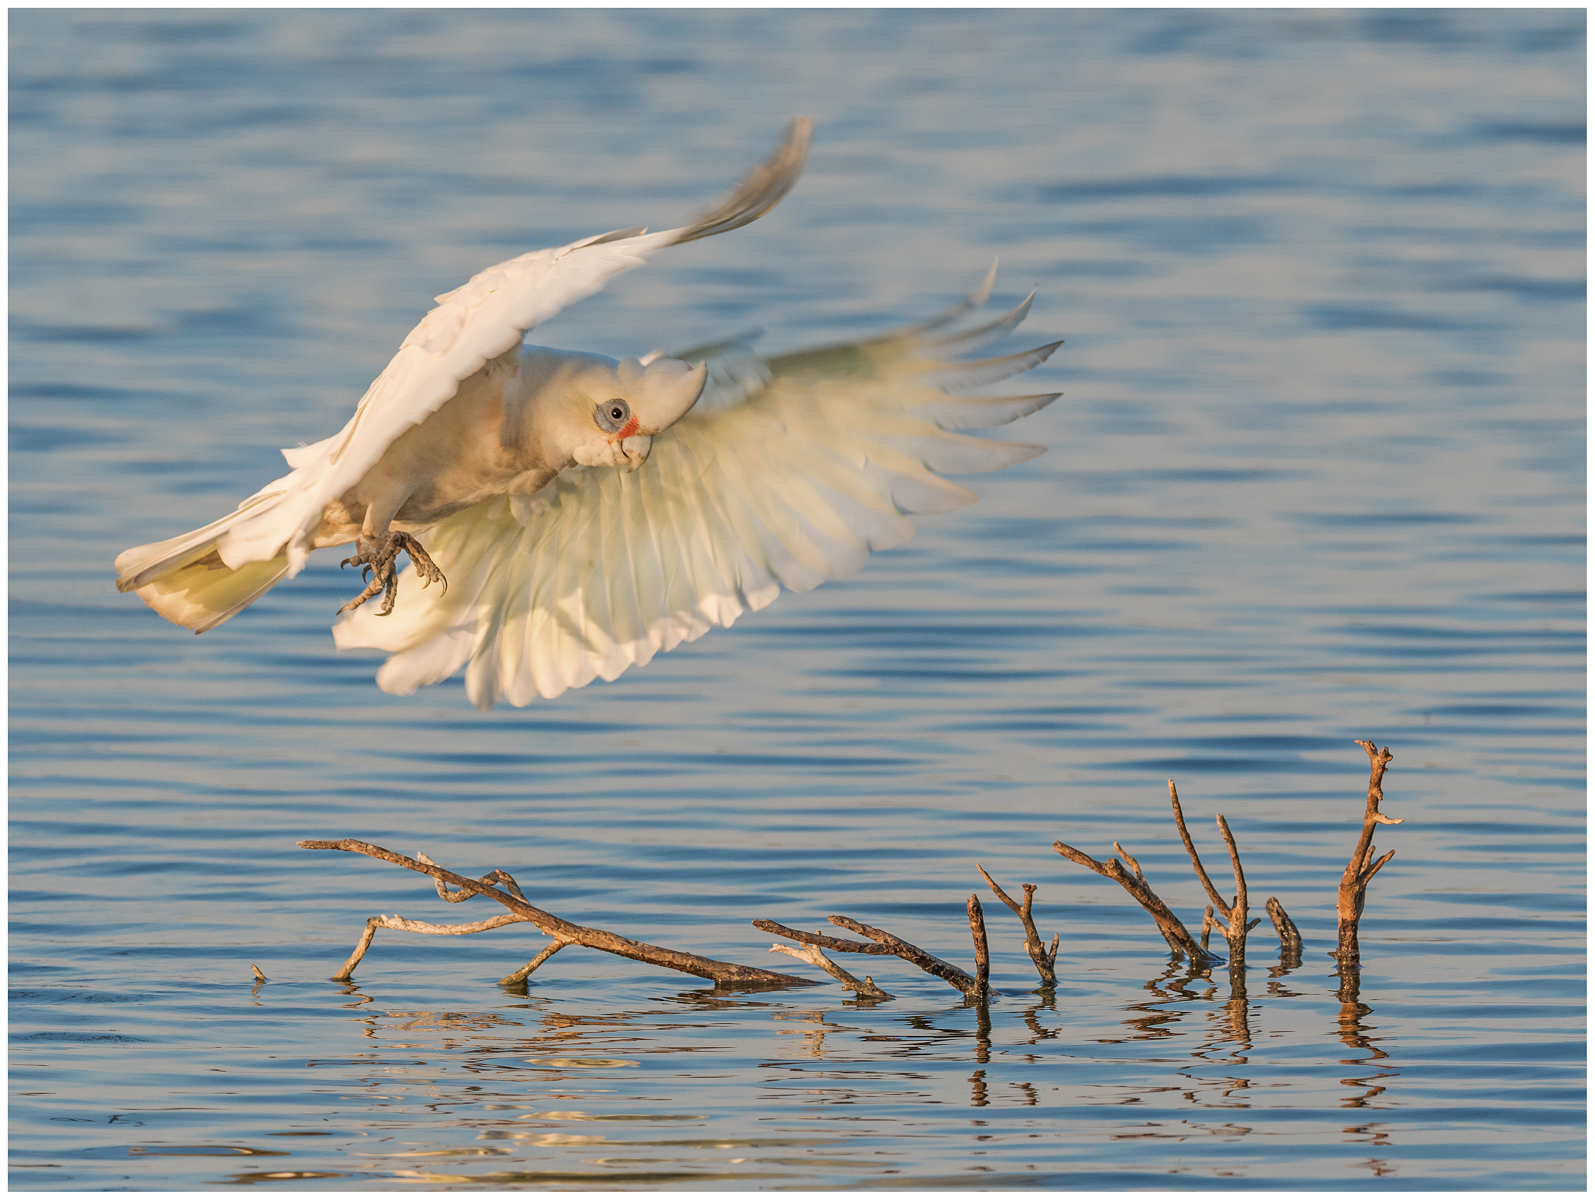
(1234, 911)
(562, 931)
(1220, 906)
(1038, 951)
(344, 973)
(1362, 866)
(973, 986)
(864, 989)
(1133, 881)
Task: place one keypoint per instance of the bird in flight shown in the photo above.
(579, 514)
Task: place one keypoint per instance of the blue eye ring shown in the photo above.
(612, 415)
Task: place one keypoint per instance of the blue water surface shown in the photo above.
(1316, 476)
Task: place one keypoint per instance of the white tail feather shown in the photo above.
(187, 582)
(204, 593)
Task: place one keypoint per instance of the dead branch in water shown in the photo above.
(977, 930)
(1362, 867)
(1289, 935)
(865, 989)
(1039, 954)
(344, 973)
(517, 978)
(975, 987)
(562, 931)
(1231, 916)
(1234, 912)
(1133, 881)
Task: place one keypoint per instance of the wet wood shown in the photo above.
(820, 939)
(1231, 916)
(1362, 866)
(1039, 953)
(923, 959)
(1233, 911)
(864, 989)
(882, 942)
(977, 931)
(1289, 935)
(1173, 930)
(519, 978)
(346, 972)
(562, 930)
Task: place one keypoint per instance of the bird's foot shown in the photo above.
(378, 556)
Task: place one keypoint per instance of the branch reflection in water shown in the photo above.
(566, 1095)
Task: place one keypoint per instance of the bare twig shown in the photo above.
(977, 931)
(494, 876)
(1361, 868)
(1239, 906)
(1039, 954)
(865, 989)
(516, 978)
(1174, 933)
(1234, 910)
(925, 961)
(1235, 935)
(1128, 860)
(1219, 903)
(882, 942)
(820, 939)
(345, 972)
(565, 931)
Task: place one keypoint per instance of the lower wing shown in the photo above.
(792, 475)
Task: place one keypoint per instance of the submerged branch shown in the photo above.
(864, 989)
(1174, 932)
(881, 942)
(1219, 904)
(518, 978)
(1289, 935)
(923, 959)
(977, 931)
(559, 929)
(1039, 953)
(1361, 868)
(1230, 916)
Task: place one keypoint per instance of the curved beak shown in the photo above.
(635, 450)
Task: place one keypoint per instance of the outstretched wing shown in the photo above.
(471, 326)
(800, 467)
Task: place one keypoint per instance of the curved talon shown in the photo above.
(379, 568)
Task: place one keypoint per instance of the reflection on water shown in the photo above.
(1316, 476)
(1356, 1033)
(539, 1082)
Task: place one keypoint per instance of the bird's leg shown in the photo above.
(378, 556)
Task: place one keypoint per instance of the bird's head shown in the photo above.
(615, 411)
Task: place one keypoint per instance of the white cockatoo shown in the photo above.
(581, 514)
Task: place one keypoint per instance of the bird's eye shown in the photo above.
(612, 415)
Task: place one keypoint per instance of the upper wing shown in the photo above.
(474, 324)
(795, 484)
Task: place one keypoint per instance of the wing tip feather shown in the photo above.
(760, 190)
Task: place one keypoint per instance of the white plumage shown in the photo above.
(587, 514)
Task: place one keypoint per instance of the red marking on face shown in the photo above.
(631, 427)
